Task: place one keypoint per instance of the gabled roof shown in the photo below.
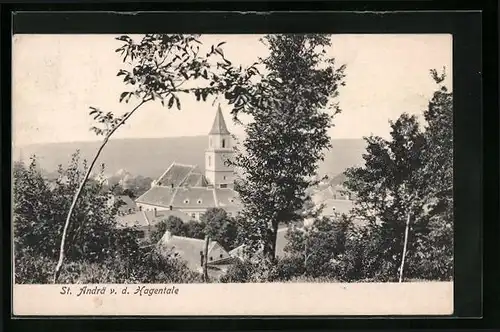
(195, 180)
(177, 174)
(126, 202)
(149, 218)
(219, 126)
(137, 219)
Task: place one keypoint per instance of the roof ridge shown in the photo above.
(187, 238)
(187, 175)
(181, 164)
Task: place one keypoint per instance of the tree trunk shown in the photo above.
(274, 236)
(79, 191)
(205, 260)
(404, 248)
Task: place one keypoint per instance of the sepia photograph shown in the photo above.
(245, 165)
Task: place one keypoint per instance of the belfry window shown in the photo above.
(223, 143)
(209, 161)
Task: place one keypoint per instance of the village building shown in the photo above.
(188, 189)
(145, 222)
(191, 252)
(126, 205)
(281, 243)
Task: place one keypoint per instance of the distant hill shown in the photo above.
(151, 156)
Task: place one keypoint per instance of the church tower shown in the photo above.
(220, 149)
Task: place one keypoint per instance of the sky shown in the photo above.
(56, 78)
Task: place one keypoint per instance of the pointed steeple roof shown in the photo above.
(219, 126)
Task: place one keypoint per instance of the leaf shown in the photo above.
(220, 44)
(219, 50)
(171, 102)
(177, 103)
(123, 95)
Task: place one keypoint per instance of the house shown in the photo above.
(144, 222)
(126, 204)
(188, 189)
(334, 201)
(191, 251)
(281, 243)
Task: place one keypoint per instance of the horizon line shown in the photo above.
(138, 138)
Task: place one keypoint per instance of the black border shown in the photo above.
(467, 30)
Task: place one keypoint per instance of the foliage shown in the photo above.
(147, 266)
(99, 251)
(131, 186)
(438, 181)
(400, 180)
(176, 226)
(318, 248)
(39, 212)
(220, 227)
(287, 136)
(195, 229)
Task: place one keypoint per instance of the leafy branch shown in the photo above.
(159, 67)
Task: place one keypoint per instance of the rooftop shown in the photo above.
(219, 126)
(190, 249)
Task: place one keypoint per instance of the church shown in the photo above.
(188, 189)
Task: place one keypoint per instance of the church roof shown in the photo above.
(191, 198)
(177, 174)
(195, 180)
(219, 126)
(157, 195)
(194, 197)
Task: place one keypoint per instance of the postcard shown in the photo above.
(212, 174)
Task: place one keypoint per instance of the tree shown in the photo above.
(175, 225)
(438, 183)
(389, 188)
(291, 109)
(100, 252)
(161, 67)
(195, 229)
(411, 174)
(220, 227)
(319, 247)
(39, 211)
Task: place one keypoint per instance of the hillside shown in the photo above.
(151, 156)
